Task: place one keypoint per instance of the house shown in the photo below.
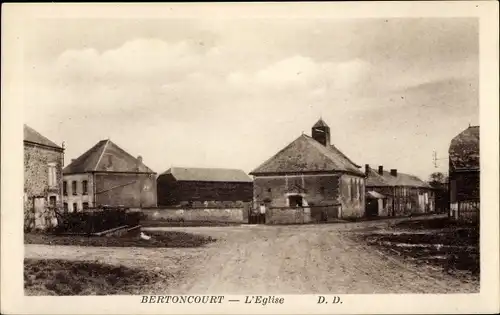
(402, 194)
(309, 180)
(212, 187)
(464, 178)
(106, 175)
(43, 163)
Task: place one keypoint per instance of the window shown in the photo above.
(322, 190)
(52, 175)
(295, 201)
(85, 205)
(75, 207)
(351, 186)
(73, 187)
(65, 207)
(84, 187)
(52, 201)
(269, 190)
(65, 188)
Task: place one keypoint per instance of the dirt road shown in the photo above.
(272, 260)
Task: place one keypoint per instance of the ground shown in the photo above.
(329, 258)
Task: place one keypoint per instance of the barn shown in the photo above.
(107, 175)
(464, 175)
(204, 187)
(309, 180)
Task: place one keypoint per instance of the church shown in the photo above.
(310, 180)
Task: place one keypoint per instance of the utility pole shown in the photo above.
(435, 158)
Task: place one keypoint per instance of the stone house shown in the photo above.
(43, 163)
(204, 187)
(107, 175)
(402, 194)
(309, 180)
(464, 175)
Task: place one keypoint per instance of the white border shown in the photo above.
(15, 15)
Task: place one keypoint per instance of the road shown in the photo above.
(273, 260)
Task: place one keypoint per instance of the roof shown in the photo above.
(374, 195)
(33, 136)
(320, 123)
(464, 150)
(106, 156)
(208, 174)
(305, 154)
(386, 179)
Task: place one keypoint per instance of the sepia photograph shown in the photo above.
(183, 158)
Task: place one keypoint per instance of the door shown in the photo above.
(39, 208)
(371, 207)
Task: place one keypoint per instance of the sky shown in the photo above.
(231, 93)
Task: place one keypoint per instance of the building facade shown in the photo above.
(199, 187)
(464, 175)
(43, 164)
(309, 180)
(106, 175)
(402, 194)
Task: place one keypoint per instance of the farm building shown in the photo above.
(309, 180)
(197, 187)
(464, 176)
(43, 163)
(108, 175)
(396, 194)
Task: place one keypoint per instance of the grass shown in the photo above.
(178, 223)
(61, 277)
(158, 239)
(439, 242)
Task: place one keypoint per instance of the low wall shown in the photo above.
(226, 215)
(286, 215)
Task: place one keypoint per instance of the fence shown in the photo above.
(468, 211)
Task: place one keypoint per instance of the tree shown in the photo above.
(438, 180)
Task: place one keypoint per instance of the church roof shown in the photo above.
(464, 150)
(106, 156)
(208, 174)
(320, 123)
(33, 136)
(305, 154)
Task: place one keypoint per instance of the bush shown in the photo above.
(97, 220)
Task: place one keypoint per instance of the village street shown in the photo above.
(271, 260)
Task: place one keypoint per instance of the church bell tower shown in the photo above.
(321, 132)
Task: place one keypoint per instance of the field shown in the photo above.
(158, 239)
(440, 243)
(63, 277)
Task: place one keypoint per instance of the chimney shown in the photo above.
(367, 169)
(139, 162)
(394, 172)
(381, 170)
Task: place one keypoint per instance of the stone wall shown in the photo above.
(316, 190)
(352, 196)
(229, 215)
(36, 180)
